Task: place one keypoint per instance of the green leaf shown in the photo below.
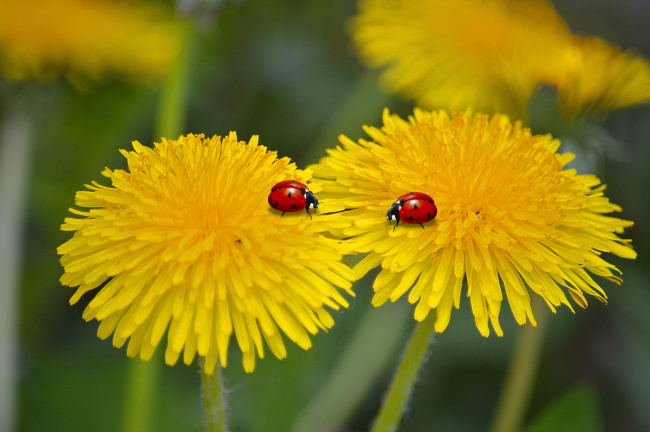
(575, 411)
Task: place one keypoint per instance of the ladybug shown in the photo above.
(292, 196)
(412, 208)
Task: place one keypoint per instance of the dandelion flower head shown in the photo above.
(460, 54)
(511, 219)
(493, 55)
(598, 77)
(185, 243)
(85, 40)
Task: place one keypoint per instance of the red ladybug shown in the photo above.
(292, 196)
(412, 208)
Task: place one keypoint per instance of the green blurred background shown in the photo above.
(287, 71)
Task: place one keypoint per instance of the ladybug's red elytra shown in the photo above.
(412, 208)
(292, 196)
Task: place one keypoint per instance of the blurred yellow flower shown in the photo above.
(600, 77)
(510, 218)
(85, 40)
(492, 56)
(186, 239)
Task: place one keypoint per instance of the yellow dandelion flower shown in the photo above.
(185, 239)
(492, 56)
(510, 218)
(459, 54)
(599, 77)
(85, 40)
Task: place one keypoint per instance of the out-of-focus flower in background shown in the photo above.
(86, 40)
(186, 239)
(492, 56)
(510, 218)
(598, 77)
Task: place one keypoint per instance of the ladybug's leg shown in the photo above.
(282, 214)
(422, 226)
(307, 210)
(396, 225)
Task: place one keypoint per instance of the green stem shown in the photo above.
(401, 388)
(142, 386)
(170, 119)
(367, 355)
(522, 371)
(213, 401)
(15, 151)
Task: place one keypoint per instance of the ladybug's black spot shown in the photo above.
(415, 206)
(428, 215)
(289, 195)
(294, 206)
(276, 203)
(410, 218)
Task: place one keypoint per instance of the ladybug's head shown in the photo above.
(393, 212)
(312, 201)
